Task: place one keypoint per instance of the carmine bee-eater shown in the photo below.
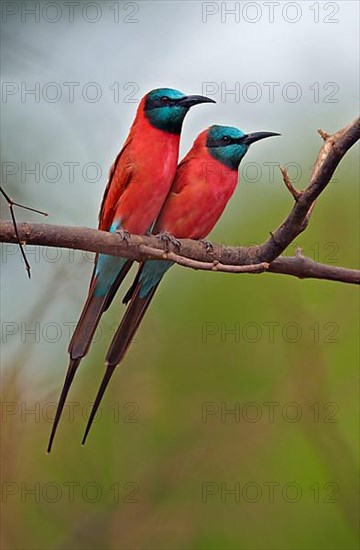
(138, 184)
(204, 182)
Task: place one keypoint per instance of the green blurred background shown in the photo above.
(167, 465)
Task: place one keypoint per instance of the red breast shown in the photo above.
(140, 177)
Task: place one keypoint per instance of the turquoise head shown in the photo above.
(229, 145)
(166, 108)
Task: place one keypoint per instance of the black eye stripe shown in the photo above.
(163, 101)
(223, 141)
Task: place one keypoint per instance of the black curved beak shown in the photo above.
(248, 139)
(190, 100)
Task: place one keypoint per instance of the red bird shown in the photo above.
(204, 182)
(139, 182)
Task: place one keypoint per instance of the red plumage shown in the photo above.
(138, 184)
(140, 177)
(204, 182)
(201, 190)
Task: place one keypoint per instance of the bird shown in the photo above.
(139, 181)
(205, 181)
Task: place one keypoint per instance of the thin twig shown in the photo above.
(295, 193)
(215, 265)
(323, 134)
(11, 204)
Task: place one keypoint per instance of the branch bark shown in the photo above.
(193, 254)
(334, 148)
(229, 259)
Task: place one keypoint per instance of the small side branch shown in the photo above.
(294, 192)
(333, 150)
(306, 268)
(215, 265)
(11, 204)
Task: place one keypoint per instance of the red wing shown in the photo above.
(119, 177)
(181, 203)
(113, 191)
(181, 178)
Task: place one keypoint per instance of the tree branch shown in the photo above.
(194, 254)
(334, 148)
(305, 268)
(229, 259)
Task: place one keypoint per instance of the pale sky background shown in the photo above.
(172, 44)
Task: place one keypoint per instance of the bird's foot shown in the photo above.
(123, 234)
(209, 247)
(168, 239)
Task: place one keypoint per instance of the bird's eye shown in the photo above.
(164, 99)
(225, 139)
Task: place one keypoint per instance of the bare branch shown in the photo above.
(305, 268)
(215, 265)
(323, 134)
(194, 255)
(213, 257)
(11, 204)
(334, 148)
(295, 193)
